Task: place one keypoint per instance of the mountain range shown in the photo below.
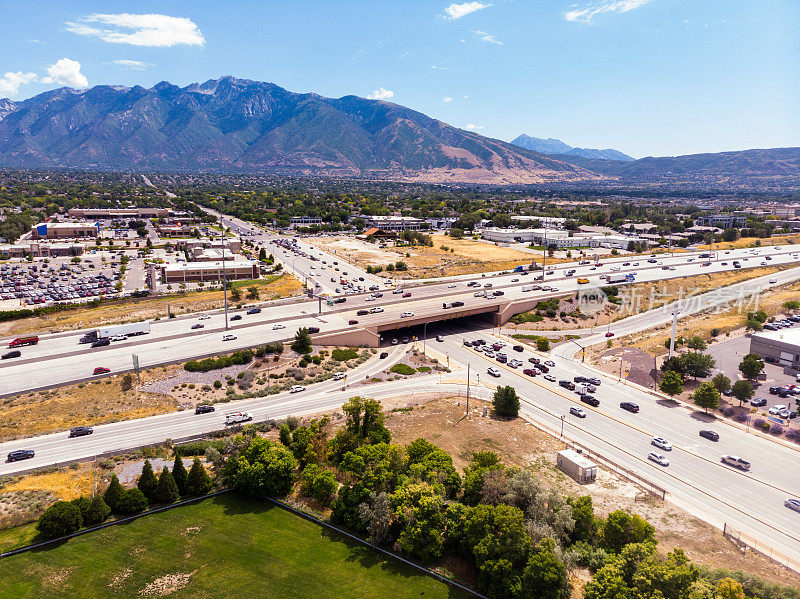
(556, 146)
(236, 125)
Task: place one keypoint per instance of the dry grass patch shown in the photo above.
(65, 484)
(750, 242)
(145, 309)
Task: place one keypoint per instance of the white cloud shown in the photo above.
(436, 67)
(11, 82)
(381, 94)
(66, 72)
(140, 30)
(472, 127)
(447, 99)
(588, 12)
(456, 11)
(133, 65)
(486, 37)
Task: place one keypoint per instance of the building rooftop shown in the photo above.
(784, 335)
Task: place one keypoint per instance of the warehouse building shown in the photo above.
(64, 230)
(121, 213)
(557, 238)
(781, 347)
(193, 272)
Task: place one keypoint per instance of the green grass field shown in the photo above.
(227, 546)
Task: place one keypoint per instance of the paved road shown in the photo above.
(695, 478)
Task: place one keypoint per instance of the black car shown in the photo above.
(203, 409)
(630, 406)
(384, 354)
(467, 343)
(236, 317)
(758, 402)
(362, 312)
(774, 390)
(80, 431)
(14, 353)
(313, 329)
(593, 380)
(710, 435)
(254, 311)
(194, 326)
(567, 385)
(542, 368)
(20, 454)
(518, 348)
(103, 342)
(590, 399)
(501, 358)
(579, 379)
(534, 360)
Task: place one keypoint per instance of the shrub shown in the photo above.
(147, 482)
(60, 519)
(776, 429)
(728, 411)
(113, 493)
(132, 501)
(343, 355)
(506, 402)
(167, 490)
(180, 475)
(97, 513)
(741, 417)
(217, 384)
(403, 369)
(198, 481)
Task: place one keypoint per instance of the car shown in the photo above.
(792, 504)
(20, 454)
(278, 326)
(529, 372)
(777, 409)
(549, 363)
(193, 327)
(119, 338)
(362, 312)
(542, 368)
(384, 354)
(590, 399)
(376, 310)
(229, 337)
(576, 411)
(297, 389)
(101, 370)
(451, 286)
(593, 380)
(406, 315)
(254, 311)
(395, 341)
(405, 340)
(629, 406)
(773, 281)
(204, 317)
(658, 458)
(352, 321)
(80, 431)
(661, 443)
(518, 348)
(439, 338)
(236, 317)
(710, 435)
(102, 342)
(493, 372)
(14, 353)
(203, 409)
(567, 384)
(609, 334)
(407, 294)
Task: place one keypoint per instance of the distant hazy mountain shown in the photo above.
(233, 125)
(556, 146)
(775, 167)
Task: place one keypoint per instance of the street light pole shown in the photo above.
(224, 275)
(424, 335)
(467, 388)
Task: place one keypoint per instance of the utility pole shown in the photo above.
(224, 275)
(544, 251)
(94, 477)
(467, 388)
(672, 337)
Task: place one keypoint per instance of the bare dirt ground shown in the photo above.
(749, 242)
(133, 310)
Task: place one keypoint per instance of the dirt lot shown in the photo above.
(132, 310)
(520, 443)
(747, 242)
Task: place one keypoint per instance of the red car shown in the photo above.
(609, 334)
(529, 372)
(353, 321)
(407, 294)
(101, 370)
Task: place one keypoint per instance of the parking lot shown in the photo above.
(60, 280)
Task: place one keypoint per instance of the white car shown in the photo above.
(119, 338)
(370, 299)
(228, 337)
(777, 409)
(549, 363)
(549, 377)
(479, 294)
(493, 371)
(773, 281)
(204, 317)
(792, 504)
(297, 389)
(275, 327)
(451, 286)
(661, 443)
(406, 315)
(576, 411)
(375, 310)
(658, 458)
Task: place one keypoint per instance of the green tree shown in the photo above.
(542, 344)
(585, 527)
(252, 292)
(706, 396)
(751, 366)
(400, 265)
(456, 233)
(285, 435)
(506, 402)
(198, 481)
(722, 383)
(671, 383)
(179, 474)
(420, 509)
(262, 255)
(113, 492)
(727, 588)
(621, 528)
(148, 482)
(167, 490)
(302, 341)
(377, 515)
(742, 390)
(673, 364)
(236, 294)
(264, 468)
(97, 512)
(697, 365)
(696, 343)
(60, 519)
(751, 324)
(131, 501)
(545, 575)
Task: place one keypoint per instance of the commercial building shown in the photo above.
(211, 254)
(723, 221)
(781, 347)
(193, 272)
(64, 230)
(38, 249)
(393, 223)
(197, 245)
(178, 230)
(305, 221)
(112, 213)
(558, 238)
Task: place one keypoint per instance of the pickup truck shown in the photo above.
(237, 417)
(736, 462)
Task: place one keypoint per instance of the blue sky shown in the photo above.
(647, 77)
